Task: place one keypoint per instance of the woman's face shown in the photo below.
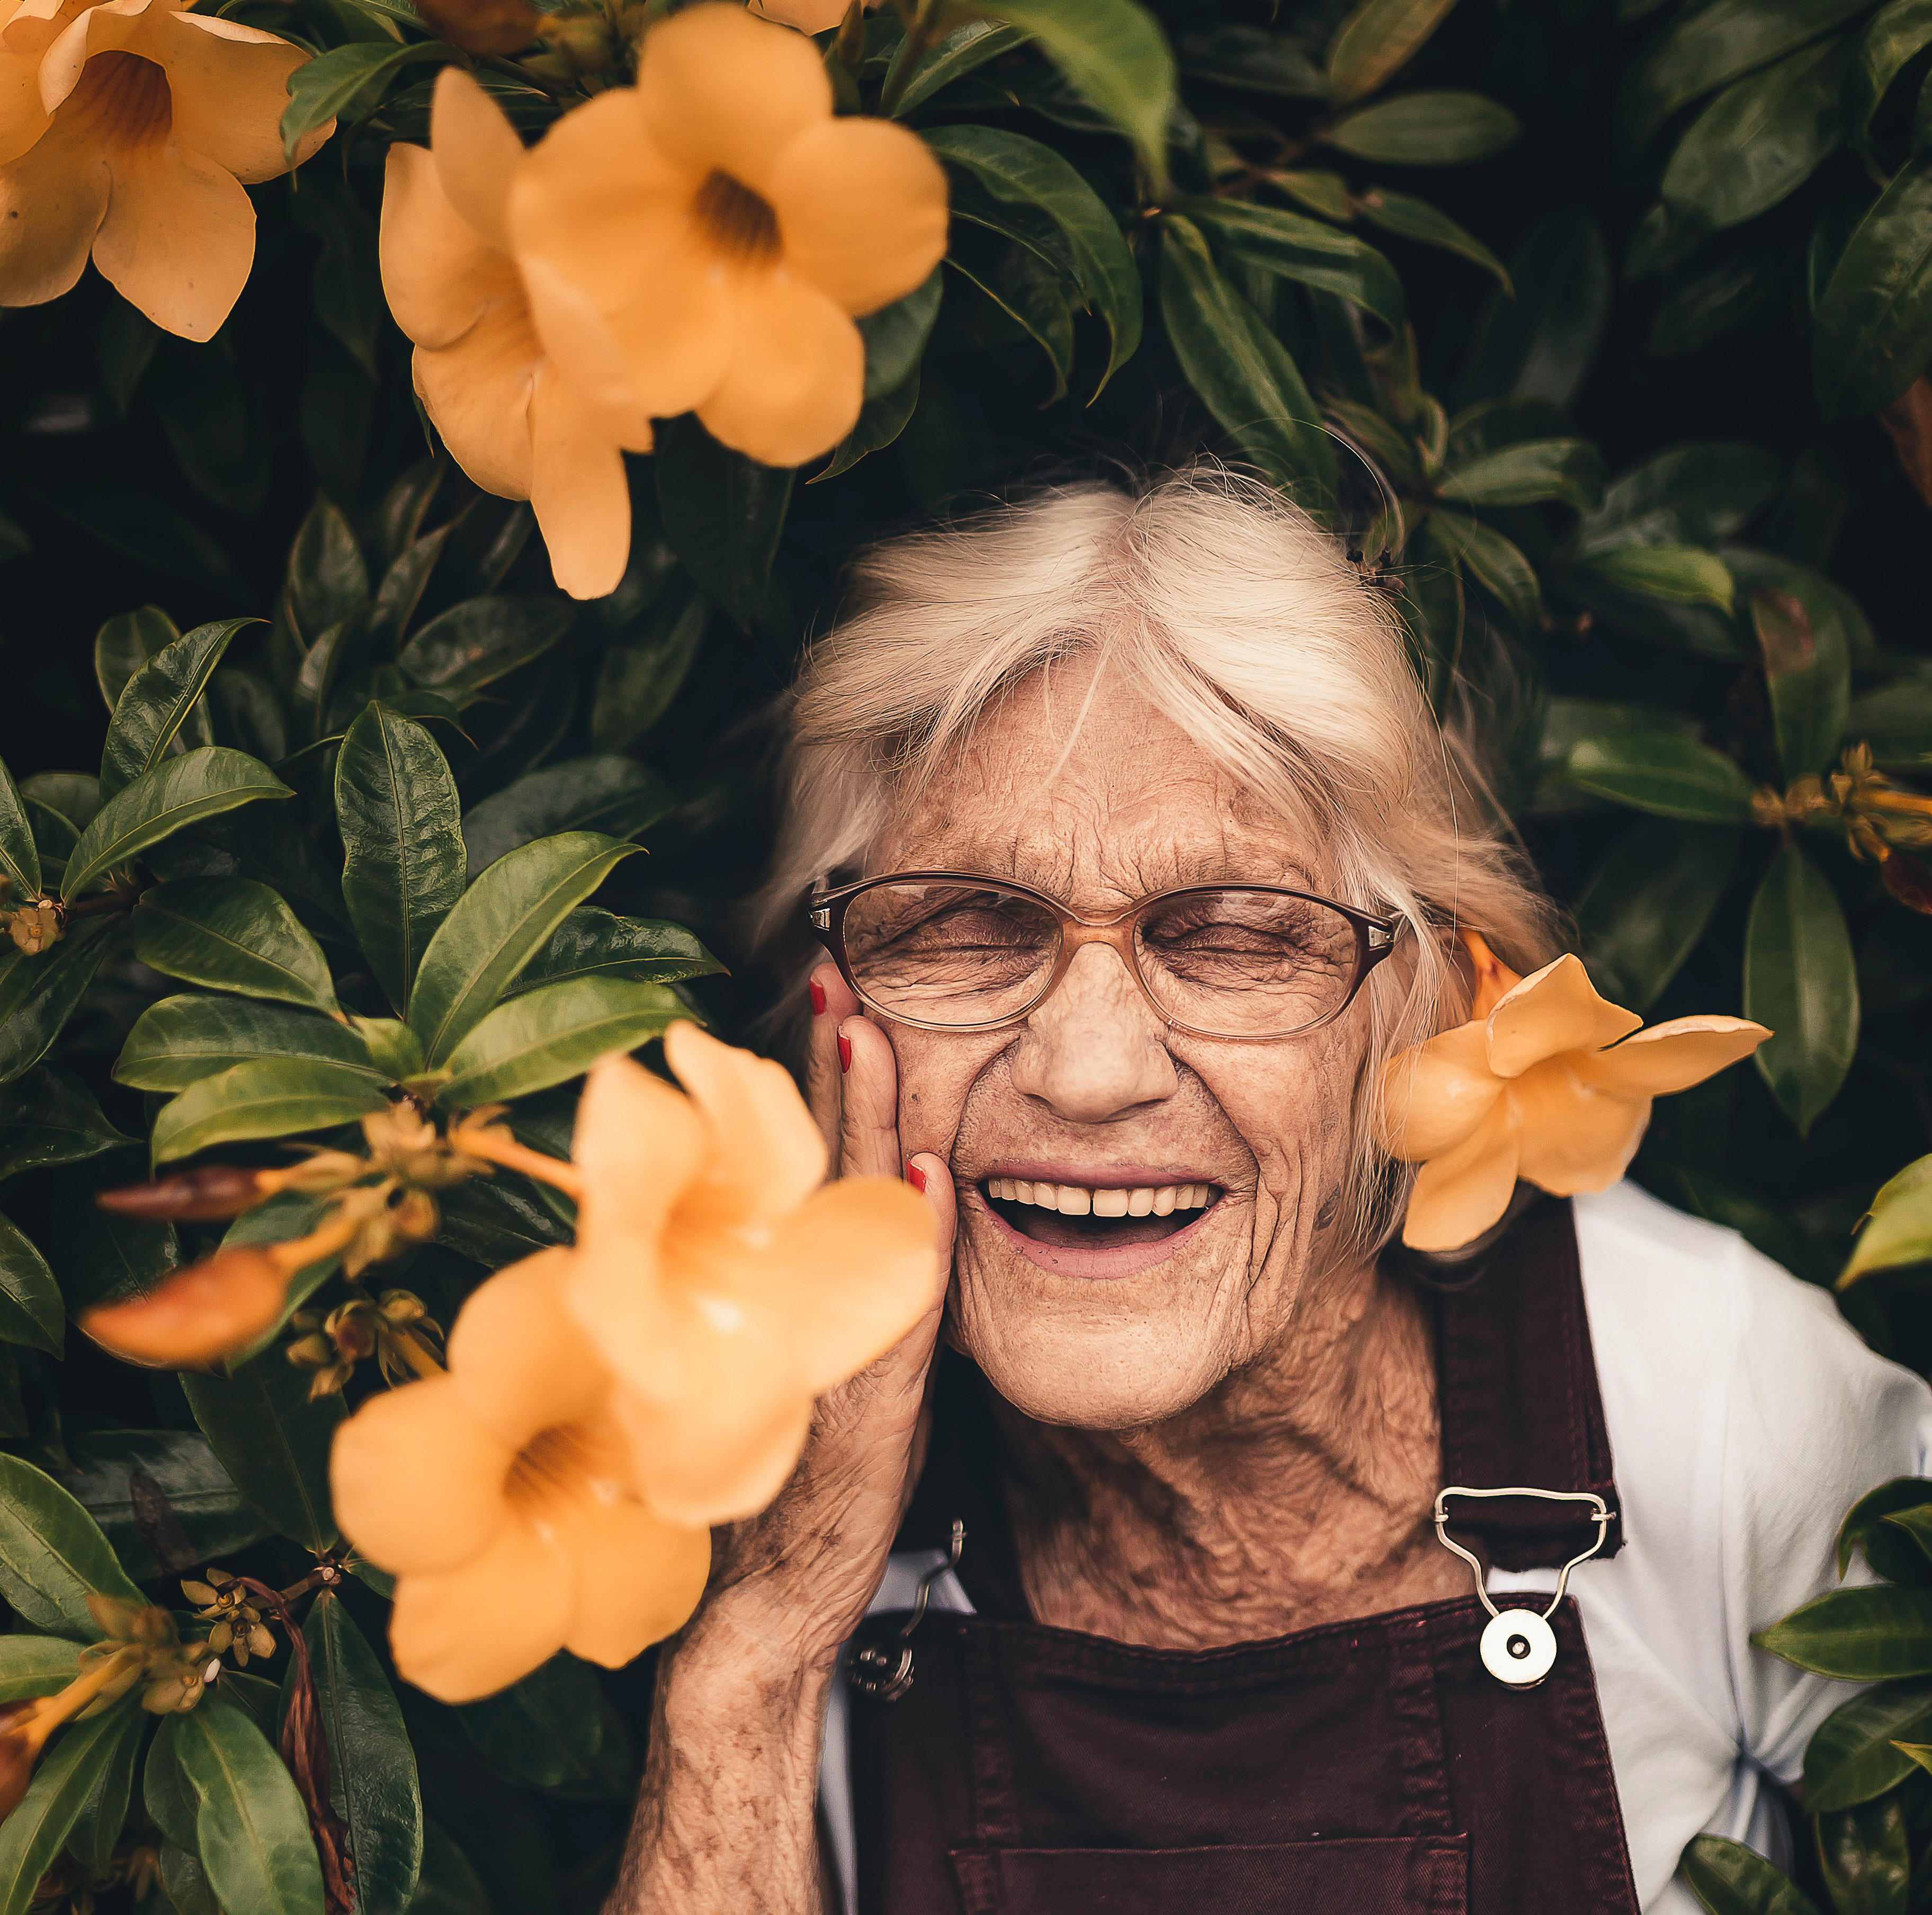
(1104, 1322)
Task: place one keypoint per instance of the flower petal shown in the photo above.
(767, 1153)
(418, 1482)
(477, 155)
(1573, 1136)
(438, 276)
(230, 84)
(479, 392)
(1553, 1010)
(1459, 1195)
(862, 209)
(1494, 980)
(52, 200)
(578, 488)
(1673, 1056)
(706, 1458)
(179, 237)
(796, 376)
(481, 1627)
(637, 1579)
(1435, 1094)
(721, 90)
(517, 1357)
(22, 119)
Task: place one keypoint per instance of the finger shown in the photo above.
(928, 1175)
(832, 1001)
(868, 1126)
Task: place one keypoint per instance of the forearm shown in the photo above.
(725, 1822)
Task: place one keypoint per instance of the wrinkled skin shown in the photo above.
(1237, 1439)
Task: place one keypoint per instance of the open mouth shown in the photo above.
(1097, 1217)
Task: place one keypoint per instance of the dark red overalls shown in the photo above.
(1369, 1767)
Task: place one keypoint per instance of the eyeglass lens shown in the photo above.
(1235, 962)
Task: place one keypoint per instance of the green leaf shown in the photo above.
(1862, 1635)
(402, 837)
(184, 1881)
(328, 579)
(1890, 1555)
(98, 1828)
(500, 923)
(31, 1310)
(337, 82)
(1701, 494)
(1292, 247)
(895, 335)
(52, 1555)
(251, 1831)
(477, 641)
(1899, 1231)
(1375, 41)
(1540, 340)
(881, 422)
(372, 1767)
(1527, 473)
(267, 1097)
(391, 1046)
(1665, 772)
(1801, 979)
(1035, 293)
(247, 714)
(47, 989)
(498, 1222)
(642, 671)
(36, 1665)
(1850, 1757)
(449, 1884)
(1760, 140)
(1648, 902)
(1807, 670)
(1681, 575)
(181, 1039)
(76, 795)
(177, 793)
(19, 856)
(216, 1520)
(49, 1117)
(954, 56)
(1408, 218)
(614, 795)
(101, 1258)
(274, 1442)
(1243, 373)
(1895, 721)
(1893, 36)
(1253, 59)
(591, 943)
(1022, 172)
(1729, 1879)
(1872, 333)
(157, 701)
(1496, 565)
(166, 1793)
(1448, 128)
(125, 643)
(1710, 45)
(546, 1036)
(231, 934)
(1114, 56)
(722, 513)
(554, 1729)
(1866, 1859)
(32, 1837)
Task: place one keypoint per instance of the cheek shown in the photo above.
(1292, 1105)
(937, 1073)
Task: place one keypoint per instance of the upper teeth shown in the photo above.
(1081, 1199)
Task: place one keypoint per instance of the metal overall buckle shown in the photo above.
(1519, 1647)
(883, 1670)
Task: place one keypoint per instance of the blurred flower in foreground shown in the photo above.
(510, 417)
(1537, 1085)
(501, 1495)
(807, 16)
(723, 1281)
(703, 241)
(126, 130)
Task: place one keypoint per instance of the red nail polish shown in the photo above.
(817, 998)
(844, 1053)
(916, 1178)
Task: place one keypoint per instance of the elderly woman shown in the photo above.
(1119, 1583)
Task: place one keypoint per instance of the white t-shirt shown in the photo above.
(1745, 1417)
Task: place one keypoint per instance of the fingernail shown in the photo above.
(817, 998)
(844, 1053)
(916, 1178)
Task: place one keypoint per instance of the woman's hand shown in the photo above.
(802, 1573)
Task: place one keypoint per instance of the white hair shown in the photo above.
(1241, 620)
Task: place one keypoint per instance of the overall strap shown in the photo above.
(1519, 1403)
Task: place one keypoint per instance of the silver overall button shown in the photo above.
(1519, 1648)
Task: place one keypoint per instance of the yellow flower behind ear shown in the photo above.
(1546, 1083)
(126, 131)
(510, 417)
(702, 242)
(501, 1495)
(724, 1283)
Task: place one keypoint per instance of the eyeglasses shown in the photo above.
(950, 950)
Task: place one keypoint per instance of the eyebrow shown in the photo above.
(1176, 872)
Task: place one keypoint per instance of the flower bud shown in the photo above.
(20, 1750)
(214, 1192)
(208, 1311)
(483, 26)
(34, 927)
(1908, 880)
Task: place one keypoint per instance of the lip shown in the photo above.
(1094, 1265)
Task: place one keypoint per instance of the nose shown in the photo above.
(1092, 1052)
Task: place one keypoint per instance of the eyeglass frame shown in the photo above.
(1376, 937)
